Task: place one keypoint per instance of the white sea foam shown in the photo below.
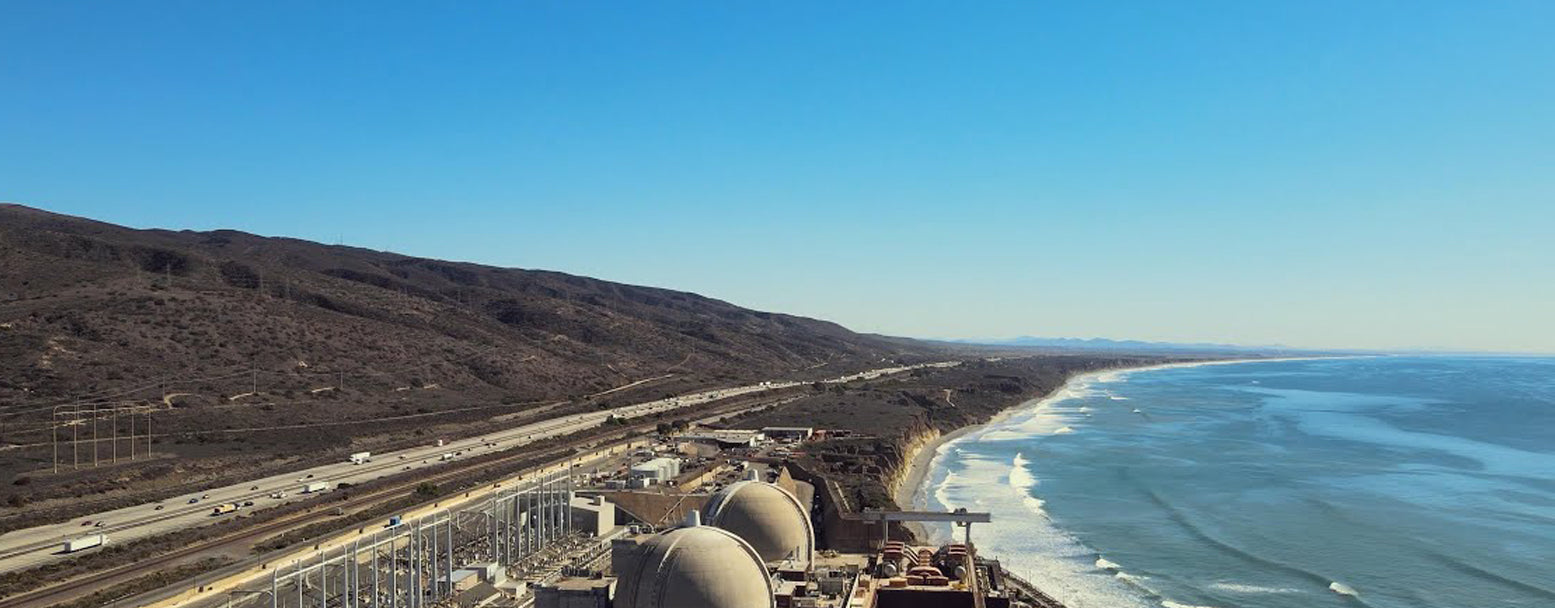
(1138, 582)
(1111, 376)
(1035, 548)
(1106, 564)
(1252, 589)
(1045, 419)
(1342, 589)
(1138, 411)
(1002, 435)
(1085, 409)
(1022, 481)
(1020, 477)
(1172, 604)
(941, 491)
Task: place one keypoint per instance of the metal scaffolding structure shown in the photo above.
(94, 423)
(529, 517)
(412, 564)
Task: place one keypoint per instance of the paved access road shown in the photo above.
(20, 549)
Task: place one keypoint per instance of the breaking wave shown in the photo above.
(1246, 589)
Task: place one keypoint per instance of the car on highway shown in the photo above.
(87, 522)
(248, 503)
(99, 524)
(193, 500)
(160, 507)
(254, 488)
(204, 496)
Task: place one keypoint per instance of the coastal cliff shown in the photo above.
(913, 445)
(876, 429)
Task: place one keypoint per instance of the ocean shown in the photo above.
(1391, 482)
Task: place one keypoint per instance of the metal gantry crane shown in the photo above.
(411, 564)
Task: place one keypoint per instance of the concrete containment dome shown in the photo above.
(695, 567)
(767, 517)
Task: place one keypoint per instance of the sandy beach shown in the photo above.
(906, 494)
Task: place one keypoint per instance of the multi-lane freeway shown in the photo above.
(30, 547)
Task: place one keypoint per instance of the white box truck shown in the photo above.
(361, 458)
(85, 542)
(317, 486)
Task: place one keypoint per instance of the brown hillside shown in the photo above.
(342, 344)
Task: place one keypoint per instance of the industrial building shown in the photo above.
(788, 433)
(592, 516)
(653, 472)
(576, 593)
(756, 548)
(725, 438)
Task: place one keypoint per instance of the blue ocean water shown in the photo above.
(1389, 482)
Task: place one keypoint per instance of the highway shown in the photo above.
(39, 545)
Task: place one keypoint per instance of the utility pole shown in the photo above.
(448, 564)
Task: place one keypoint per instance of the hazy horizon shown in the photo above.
(1322, 175)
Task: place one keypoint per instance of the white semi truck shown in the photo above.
(317, 486)
(361, 458)
(85, 542)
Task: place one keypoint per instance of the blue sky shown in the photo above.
(1345, 174)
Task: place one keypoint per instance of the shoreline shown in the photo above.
(921, 461)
